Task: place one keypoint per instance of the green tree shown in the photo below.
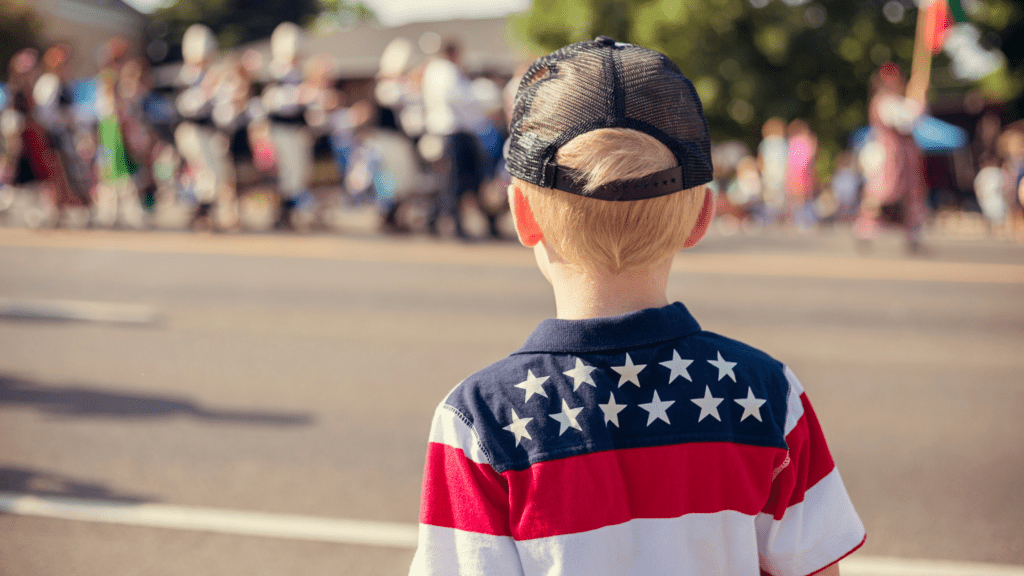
(19, 28)
(754, 59)
(239, 21)
(343, 12)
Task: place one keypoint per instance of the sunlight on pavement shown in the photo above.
(512, 256)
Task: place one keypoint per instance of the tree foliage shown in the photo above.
(239, 21)
(751, 60)
(344, 12)
(19, 28)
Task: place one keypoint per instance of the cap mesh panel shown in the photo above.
(594, 85)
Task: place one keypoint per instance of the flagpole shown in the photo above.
(921, 65)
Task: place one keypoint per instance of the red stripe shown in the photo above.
(459, 493)
(810, 461)
(590, 491)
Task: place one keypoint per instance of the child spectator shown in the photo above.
(1011, 147)
(800, 180)
(846, 184)
(988, 189)
(772, 156)
(744, 193)
(622, 438)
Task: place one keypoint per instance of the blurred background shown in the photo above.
(246, 247)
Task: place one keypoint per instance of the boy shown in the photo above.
(622, 439)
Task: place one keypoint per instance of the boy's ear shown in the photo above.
(707, 214)
(526, 225)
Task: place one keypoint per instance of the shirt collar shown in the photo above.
(640, 328)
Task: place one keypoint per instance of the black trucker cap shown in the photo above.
(607, 84)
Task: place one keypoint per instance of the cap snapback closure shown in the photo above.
(650, 186)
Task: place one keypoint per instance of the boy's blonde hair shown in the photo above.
(610, 237)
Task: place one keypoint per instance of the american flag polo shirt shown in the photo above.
(635, 444)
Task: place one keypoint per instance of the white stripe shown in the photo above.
(811, 534)
(691, 545)
(794, 406)
(76, 310)
(858, 565)
(449, 552)
(213, 520)
(399, 535)
(448, 428)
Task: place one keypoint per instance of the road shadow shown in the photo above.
(76, 401)
(39, 483)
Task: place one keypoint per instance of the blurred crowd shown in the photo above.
(240, 137)
(245, 141)
(885, 177)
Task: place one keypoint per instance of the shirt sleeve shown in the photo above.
(809, 522)
(464, 512)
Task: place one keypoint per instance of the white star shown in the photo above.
(567, 418)
(724, 367)
(708, 405)
(611, 411)
(518, 427)
(630, 372)
(678, 367)
(656, 409)
(581, 375)
(751, 406)
(532, 385)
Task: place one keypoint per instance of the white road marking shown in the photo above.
(875, 566)
(372, 533)
(213, 520)
(78, 311)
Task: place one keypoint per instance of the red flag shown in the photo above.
(938, 23)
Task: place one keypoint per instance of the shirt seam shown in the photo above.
(660, 441)
(476, 435)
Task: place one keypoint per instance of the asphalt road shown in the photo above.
(297, 375)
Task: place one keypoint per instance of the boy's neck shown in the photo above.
(580, 295)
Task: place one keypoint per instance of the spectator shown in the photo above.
(53, 99)
(895, 189)
(454, 115)
(800, 179)
(772, 156)
(846, 184)
(203, 147)
(285, 101)
(117, 198)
